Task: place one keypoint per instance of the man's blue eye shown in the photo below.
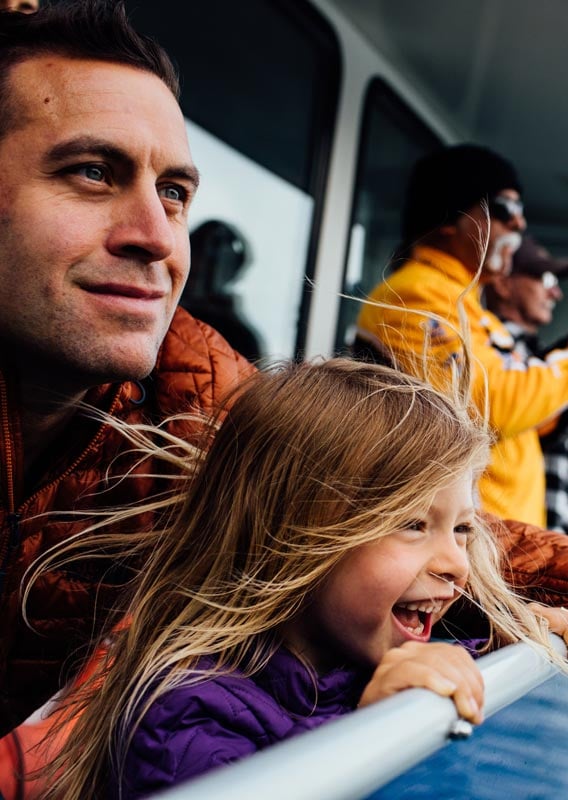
(93, 173)
(172, 193)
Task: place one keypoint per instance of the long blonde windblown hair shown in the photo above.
(311, 461)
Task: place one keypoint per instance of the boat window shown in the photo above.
(392, 138)
(259, 90)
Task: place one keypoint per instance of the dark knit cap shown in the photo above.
(450, 181)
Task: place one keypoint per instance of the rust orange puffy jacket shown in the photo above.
(195, 368)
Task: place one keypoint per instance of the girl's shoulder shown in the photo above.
(231, 699)
(195, 727)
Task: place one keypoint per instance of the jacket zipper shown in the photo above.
(13, 541)
(8, 461)
(13, 516)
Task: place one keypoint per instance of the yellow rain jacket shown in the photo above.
(521, 395)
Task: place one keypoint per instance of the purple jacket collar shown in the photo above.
(301, 691)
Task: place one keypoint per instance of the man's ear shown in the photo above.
(447, 230)
(501, 285)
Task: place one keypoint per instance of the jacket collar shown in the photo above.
(444, 263)
(300, 691)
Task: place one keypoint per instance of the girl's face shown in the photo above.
(391, 591)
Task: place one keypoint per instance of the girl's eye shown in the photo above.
(414, 525)
(466, 528)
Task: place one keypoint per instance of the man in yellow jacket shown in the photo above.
(463, 217)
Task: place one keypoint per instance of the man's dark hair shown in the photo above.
(85, 29)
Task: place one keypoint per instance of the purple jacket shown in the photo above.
(193, 729)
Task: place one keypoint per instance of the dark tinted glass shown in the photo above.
(260, 75)
(392, 139)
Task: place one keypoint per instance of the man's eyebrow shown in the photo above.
(86, 145)
(90, 145)
(185, 172)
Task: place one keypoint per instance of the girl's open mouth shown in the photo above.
(415, 618)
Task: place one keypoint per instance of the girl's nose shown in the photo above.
(451, 561)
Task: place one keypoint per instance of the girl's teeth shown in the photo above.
(427, 609)
(418, 630)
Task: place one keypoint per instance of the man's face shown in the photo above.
(531, 299)
(96, 180)
(25, 6)
(507, 222)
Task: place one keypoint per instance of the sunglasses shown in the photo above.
(505, 208)
(549, 280)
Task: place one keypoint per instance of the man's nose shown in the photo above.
(556, 293)
(517, 222)
(142, 228)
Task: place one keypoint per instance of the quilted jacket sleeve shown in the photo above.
(193, 729)
(168, 757)
(196, 366)
(535, 561)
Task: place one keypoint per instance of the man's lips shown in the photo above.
(125, 290)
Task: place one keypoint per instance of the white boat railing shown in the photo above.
(351, 757)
